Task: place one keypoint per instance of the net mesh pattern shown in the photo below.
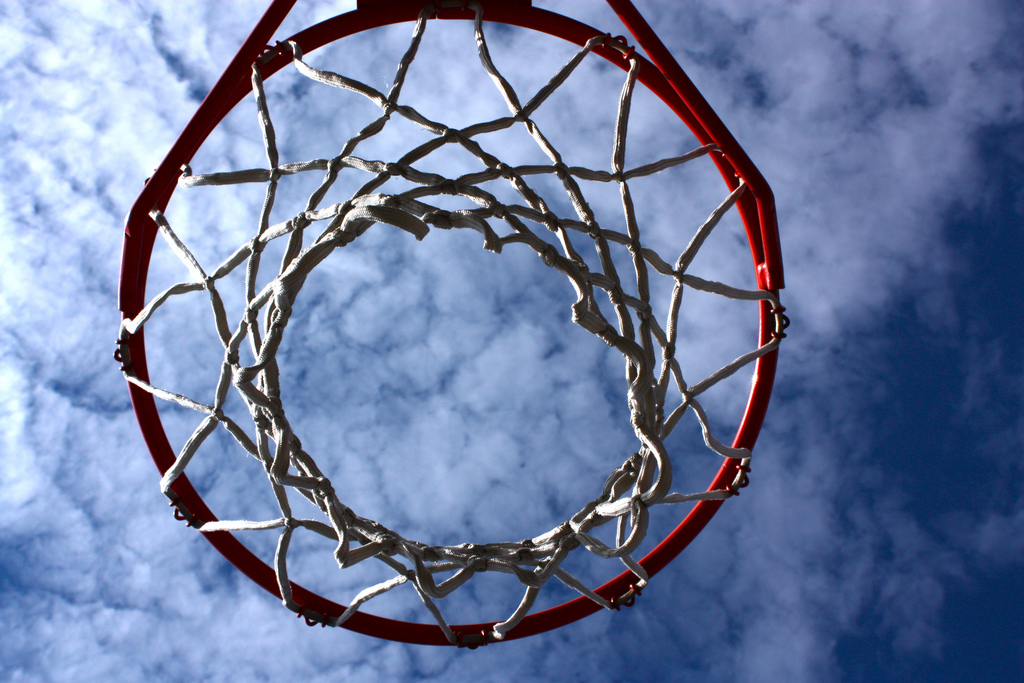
(657, 396)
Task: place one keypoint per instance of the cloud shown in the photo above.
(866, 121)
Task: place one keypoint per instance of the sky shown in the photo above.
(880, 536)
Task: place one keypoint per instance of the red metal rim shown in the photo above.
(666, 80)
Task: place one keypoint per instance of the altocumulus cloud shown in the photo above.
(865, 120)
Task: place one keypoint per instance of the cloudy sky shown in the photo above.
(880, 538)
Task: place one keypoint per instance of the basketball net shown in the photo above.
(658, 394)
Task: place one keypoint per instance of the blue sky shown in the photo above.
(880, 536)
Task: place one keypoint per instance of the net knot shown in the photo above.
(570, 542)
(323, 488)
(549, 255)
(550, 221)
(439, 219)
(500, 211)
(389, 546)
(262, 422)
(590, 321)
(299, 222)
(504, 170)
(282, 296)
(450, 186)
(609, 335)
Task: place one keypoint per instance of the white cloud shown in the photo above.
(861, 117)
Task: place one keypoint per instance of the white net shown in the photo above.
(581, 249)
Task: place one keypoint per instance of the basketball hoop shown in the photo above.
(657, 394)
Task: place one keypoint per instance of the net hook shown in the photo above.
(312, 621)
(472, 641)
(123, 356)
(627, 599)
(181, 516)
(781, 322)
(619, 43)
(270, 52)
(734, 487)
